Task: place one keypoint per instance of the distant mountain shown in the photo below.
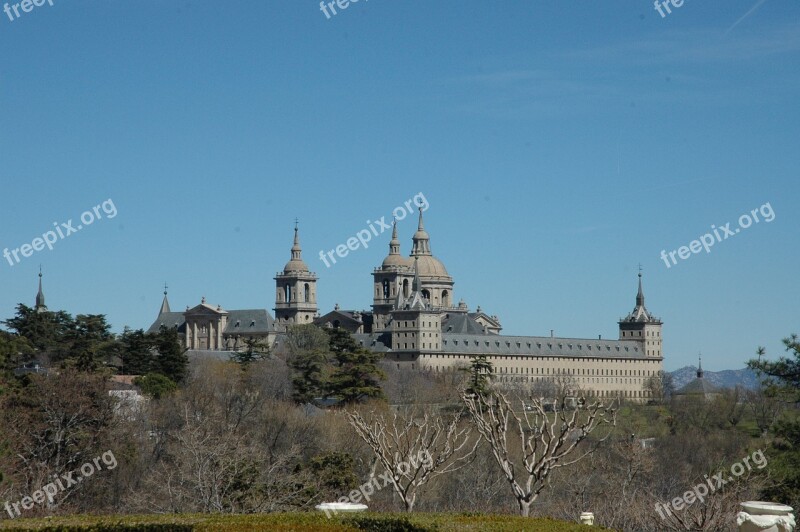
(728, 378)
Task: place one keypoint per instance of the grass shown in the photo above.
(300, 522)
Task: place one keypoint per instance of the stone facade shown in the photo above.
(416, 323)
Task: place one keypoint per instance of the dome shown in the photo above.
(430, 266)
(396, 261)
(295, 265)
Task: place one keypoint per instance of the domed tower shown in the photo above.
(641, 325)
(391, 283)
(437, 285)
(295, 290)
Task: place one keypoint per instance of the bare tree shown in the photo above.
(545, 440)
(415, 448)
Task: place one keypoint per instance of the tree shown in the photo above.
(45, 330)
(414, 448)
(89, 341)
(255, 349)
(545, 441)
(307, 347)
(155, 385)
(172, 360)
(136, 351)
(356, 375)
(660, 387)
(783, 383)
(480, 374)
(53, 425)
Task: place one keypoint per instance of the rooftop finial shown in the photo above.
(164, 304)
(40, 306)
(640, 294)
(700, 365)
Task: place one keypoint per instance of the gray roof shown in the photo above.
(374, 342)
(698, 386)
(168, 319)
(495, 344)
(459, 323)
(537, 346)
(250, 321)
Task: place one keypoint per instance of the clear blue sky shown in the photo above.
(559, 145)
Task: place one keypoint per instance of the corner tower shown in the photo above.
(642, 326)
(295, 290)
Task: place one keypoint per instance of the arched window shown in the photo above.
(405, 287)
(386, 289)
(307, 293)
(426, 294)
(287, 294)
(445, 298)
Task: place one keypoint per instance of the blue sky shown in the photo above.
(558, 144)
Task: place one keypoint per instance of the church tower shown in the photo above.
(295, 290)
(641, 325)
(392, 282)
(40, 306)
(416, 326)
(436, 284)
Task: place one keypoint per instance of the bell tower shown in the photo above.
(295, 290)
(642, 326)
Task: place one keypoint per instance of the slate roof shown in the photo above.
(251, 321)
(698, 386)
(460, 323)
(170, 320)
(495, 344)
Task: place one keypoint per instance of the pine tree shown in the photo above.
(172, 360)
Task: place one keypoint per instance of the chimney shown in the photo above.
(551, 333)
(599, 336)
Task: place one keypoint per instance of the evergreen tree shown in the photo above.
(172, 360)
(255, 349)
(44, 330)
(356, 375)
(308, 360)
(88, 341)
(784, 382)
(480, 373)
(137, 351)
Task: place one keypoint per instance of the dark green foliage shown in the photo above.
(355, 375)
(480, 373)
(255, 350)
(334, 473)
(136, 351)
(155, 385)
(373, 523)
(89, 341)
(172, 360)
(783, 381)
(340, 369)
(44, 330)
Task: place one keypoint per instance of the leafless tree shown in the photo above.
(415, 447)
(544, 441)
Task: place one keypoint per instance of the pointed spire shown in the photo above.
(296, 263)
(640, 294)
(422, 242)
(165, 303)
(394, 243)
(40, 294)
(700, 365)
(297, 251)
